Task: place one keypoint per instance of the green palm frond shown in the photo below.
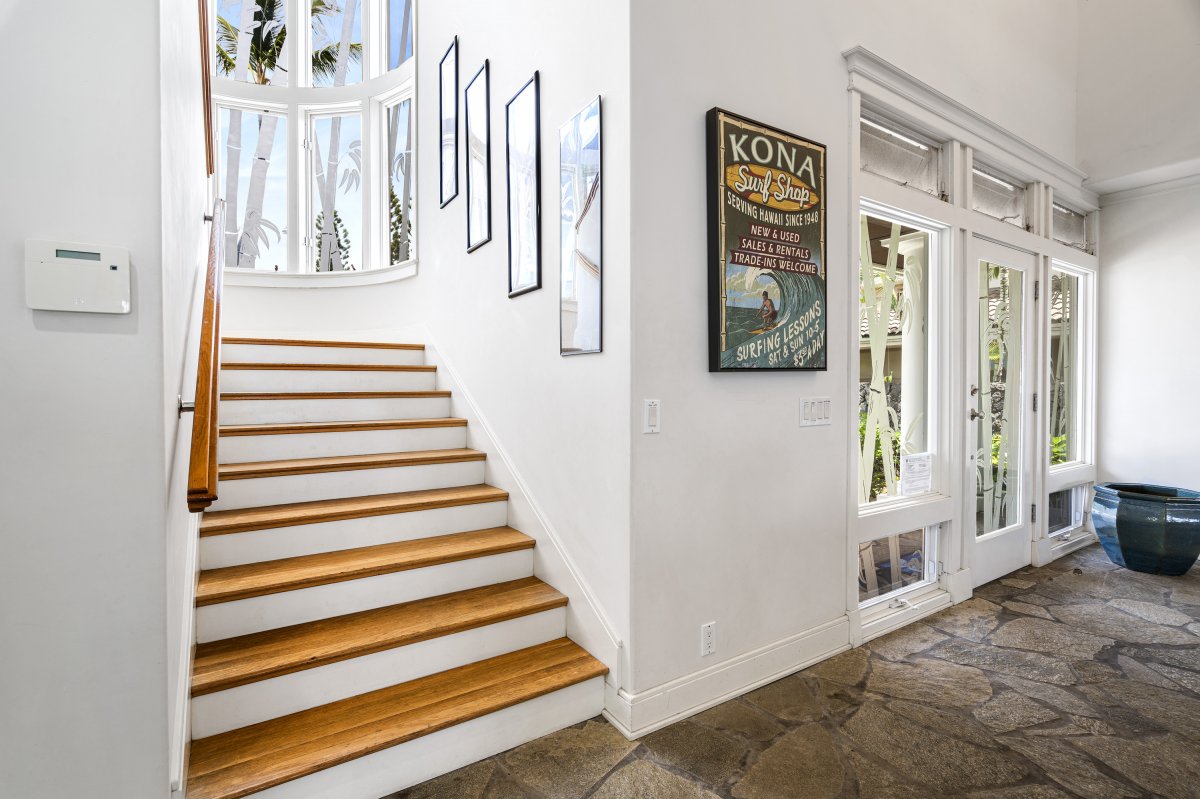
(324, 61)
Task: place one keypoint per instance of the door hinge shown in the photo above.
(1035, 402)
(1037, 290)
(1033, 513)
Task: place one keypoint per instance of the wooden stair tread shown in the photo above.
(326, 510)
(284, 428)
(345, 463)
(251, 759)
(269, 577)
(228, 663)
(306, 395)
(327, 367)
(309, 342)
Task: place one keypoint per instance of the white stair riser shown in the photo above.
(267, 353)
(421, 759)
(234, 549)
(267, 699)
(332, 410)
(324, 380)
(229, 619)
(256, 491)
(244, 449)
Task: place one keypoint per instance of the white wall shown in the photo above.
(562, 421)
(739, 516)
(1147, 328)
(85, 439)
(1139, 100)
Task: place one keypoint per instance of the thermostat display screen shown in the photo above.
(78, 255)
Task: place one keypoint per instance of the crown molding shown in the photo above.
(1150, 190)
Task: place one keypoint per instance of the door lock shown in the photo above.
(975, 415)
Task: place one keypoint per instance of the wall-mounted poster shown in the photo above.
(523, 165)
(766, 241)
(448, 122)
(580, 262)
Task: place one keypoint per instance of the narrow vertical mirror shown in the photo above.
(581, 274)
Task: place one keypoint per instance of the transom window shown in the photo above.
(315, 135)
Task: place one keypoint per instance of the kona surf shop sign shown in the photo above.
(766, 241)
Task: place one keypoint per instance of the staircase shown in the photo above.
(365, 619)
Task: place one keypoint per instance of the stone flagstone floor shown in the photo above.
(1079, 679)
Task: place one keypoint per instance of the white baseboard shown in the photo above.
(1048, 550)
(635, 715)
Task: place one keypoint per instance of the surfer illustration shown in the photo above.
(768, 313)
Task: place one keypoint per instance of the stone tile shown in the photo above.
(1172, 710)
(465, 783)
(1040, 635)
(1093, 671)
(1018, 582)
(642, 779)
(1022, 792)
(1075, 725)
(567, 764)
(1165, 766)
(1069, 768)
(1027, 609)
(504, 788)
(1186, 593)
(711, 756)
(802, 763)
(1113, 623)
(1038, 599)
(838, 698)
(924, 755)
(848, 668)
(1187, 679)
(790, 699)
(953, 723)
(1135, 670)
(1060, 698)
(876, 781)
(741, 720)
(1151, 612)
(931, 681)
(1015, 662)
(906, 641)
(1181, 658)
(972, 619)
(1011, 711)
(1194, 629)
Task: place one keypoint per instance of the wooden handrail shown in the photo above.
(202, 469)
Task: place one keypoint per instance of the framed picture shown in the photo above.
(523, 164)
(448, 115)
(478, 131)
(210, 163)
(581, 277)
(767, 306)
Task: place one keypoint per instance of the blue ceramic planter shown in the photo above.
(1148, 528)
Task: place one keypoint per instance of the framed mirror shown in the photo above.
(581, 233)
(478, 126)
(523, 165)
(448, 116)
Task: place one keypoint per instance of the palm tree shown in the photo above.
(254, 50)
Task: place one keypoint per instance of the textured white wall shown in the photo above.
(738, 514)
(1147, 332)
(1139, 100)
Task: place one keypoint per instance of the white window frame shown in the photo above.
(300, 104)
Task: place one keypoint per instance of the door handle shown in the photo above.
(975, 415)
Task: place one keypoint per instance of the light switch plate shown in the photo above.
(815, 411)
(652, 416)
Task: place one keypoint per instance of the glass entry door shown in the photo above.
(1000, 399)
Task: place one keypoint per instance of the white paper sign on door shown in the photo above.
(916, 474)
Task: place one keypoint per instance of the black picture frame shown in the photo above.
(526, 226)
(448, 124)
(479, 194)
(578, 231)
(779, 245)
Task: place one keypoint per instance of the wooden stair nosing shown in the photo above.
(345, 463)
(251, 759)
(244, 659)
(267, 517)
(293, 428)
(233, 583)
(309, 342)
(235, 396)
(325, 367)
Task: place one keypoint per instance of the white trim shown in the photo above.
(635, 715)
(1048, 550)
(881, 620)
(319, 280)
(1149, 190)
(906, 95)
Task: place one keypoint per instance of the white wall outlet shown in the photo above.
(815, 411)
(708, 638)
(652, 416)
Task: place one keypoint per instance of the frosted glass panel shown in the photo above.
(998, 197)
(1070, 227)
(401, 188)
(400, 32)
(251, 41)
(336, 159)
(896, 156)
(1064, 363)
(252, 178)
(336, 42)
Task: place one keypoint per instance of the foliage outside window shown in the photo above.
(894, 352)
(998, 465)
(354, 200)
(1064, 357)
